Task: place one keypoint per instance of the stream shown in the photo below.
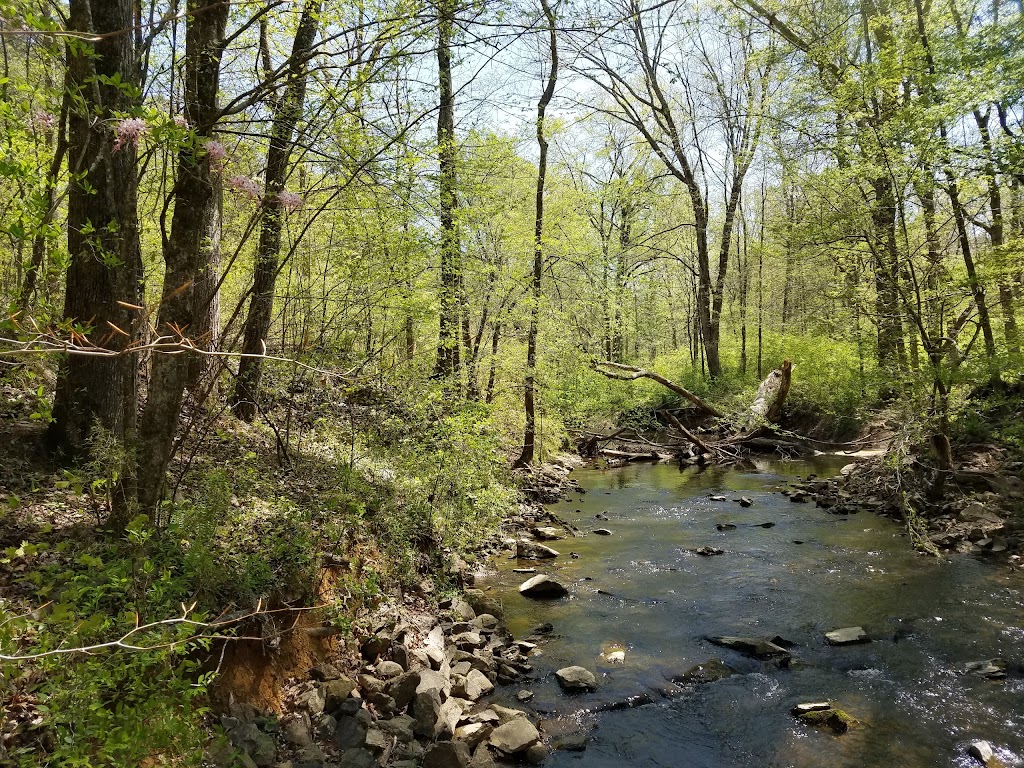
(809, 573)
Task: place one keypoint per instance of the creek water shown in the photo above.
(644, 590)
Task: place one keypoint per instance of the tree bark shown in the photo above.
(245, 394)
(102, 299)
(448, 365)
(536, 287)
(189, 250)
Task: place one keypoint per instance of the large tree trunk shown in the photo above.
(103, 280)
(188, 250)
(245, 395)
(530, 389)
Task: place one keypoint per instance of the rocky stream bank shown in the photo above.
(418, 690)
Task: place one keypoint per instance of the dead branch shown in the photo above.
(687, 433)
(632, 373)
(207, 630)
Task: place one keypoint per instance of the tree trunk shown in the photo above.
(245, 395)
(38, 262)
(448, 365)
(530, 388)
(189, 250)
(103, 281)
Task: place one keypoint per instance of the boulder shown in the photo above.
(602, 532)
(400, 653)
(486, 622)
(813, 706)
(259, 746)
(377, 741)
(388, 669)
(482, 758)
(468, 641)
(314, 701)
(847, 636)
(374, 646)
(536, 754)
(531, 550)
(426, 708)
(324, 672)
(757, 647)
(403, 688)
(352, 729)
(548, 533)
(982, 515)
(463, 610)
(449, 716)
(981, 751)
(399, 727)
(473, 733)
(542, 585)
(993, 669)
(474, 685)
(335, 692)
(447, 754)
(708, 551)
(484, 603)
(325, 727)
(574, 679)
(836, 720)
(358, 758)
(565, 734)
(515, 736)
(504, 714)
(299, 734)
(708, 672)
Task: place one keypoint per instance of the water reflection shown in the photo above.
(645, 592)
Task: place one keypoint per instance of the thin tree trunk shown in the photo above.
(529, 390)
(38, 262)
(257, 322)
(448, 365)
(493, 368)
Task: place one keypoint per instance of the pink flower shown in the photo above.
(290, 201)
(181, 122)
(216, 152)
(246, 186)
(129, 131)
(41, 121)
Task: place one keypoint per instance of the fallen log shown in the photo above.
(753, 431)
(629, 456)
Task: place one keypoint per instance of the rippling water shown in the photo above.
(927, 618)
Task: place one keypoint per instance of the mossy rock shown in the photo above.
(836, 720)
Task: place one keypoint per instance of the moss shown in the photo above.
(835, 719)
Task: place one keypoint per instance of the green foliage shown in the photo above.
(112, 705)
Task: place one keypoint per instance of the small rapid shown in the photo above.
(645, 591)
